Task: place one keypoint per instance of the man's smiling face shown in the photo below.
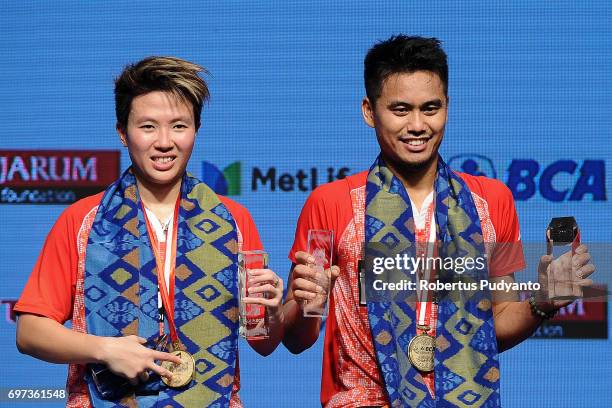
(409, 117)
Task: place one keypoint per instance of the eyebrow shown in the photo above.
(435, 102)
(175, 119)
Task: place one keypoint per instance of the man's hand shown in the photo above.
(514, 321)
(127, 357)
(307, 285)
(551, 276)
(301, 332)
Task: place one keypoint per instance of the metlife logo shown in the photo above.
(228, 181)
(225, 182)
(557, 181)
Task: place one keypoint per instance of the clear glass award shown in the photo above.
(562, 239)
(253, 317)
(321, 247)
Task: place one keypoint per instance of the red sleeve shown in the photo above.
(51, 287)
(507, 257)
(327, 208)
(247, 231)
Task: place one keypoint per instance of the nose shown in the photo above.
(164, 139)
(416, 124)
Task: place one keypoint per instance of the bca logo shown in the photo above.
(473, 164)
(226, 182)
(562, 180)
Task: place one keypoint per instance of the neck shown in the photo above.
(160, 199)
(419, 181)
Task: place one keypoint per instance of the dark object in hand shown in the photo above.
(110, 385)
(113, 387)
(562, 230)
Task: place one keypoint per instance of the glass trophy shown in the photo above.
(562, 239)
(253, 317)
(320, 246)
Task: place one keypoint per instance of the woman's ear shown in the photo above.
(122, 134)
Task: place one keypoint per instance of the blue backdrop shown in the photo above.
(530, 82)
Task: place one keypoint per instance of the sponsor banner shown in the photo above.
(55, 176)
(557, 181)
(229, 180)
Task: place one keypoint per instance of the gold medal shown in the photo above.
(421, 352)
(182, 373)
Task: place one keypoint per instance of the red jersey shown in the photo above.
(350, 375)
(54, 289)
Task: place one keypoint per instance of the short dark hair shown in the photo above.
(166, 74)
(403, 54)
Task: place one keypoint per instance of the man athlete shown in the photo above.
(366, 360)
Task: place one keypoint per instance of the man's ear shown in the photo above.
(367, 111)
(122, 134)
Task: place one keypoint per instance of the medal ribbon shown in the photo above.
(166, 292)
(427, 311)
(425, 308)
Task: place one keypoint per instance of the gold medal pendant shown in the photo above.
(182, 373)
(421, 352)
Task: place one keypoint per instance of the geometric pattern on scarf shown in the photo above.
(466, 367)
(121, 289)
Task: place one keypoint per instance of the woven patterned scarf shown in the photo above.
(466, 369)
(121, 289)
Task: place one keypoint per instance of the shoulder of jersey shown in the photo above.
(234, 206)
(338, 189)
(486, 186)
(80, 208)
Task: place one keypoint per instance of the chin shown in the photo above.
(169, 180)
(161, 181)
(416, 165)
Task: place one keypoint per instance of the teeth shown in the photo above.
(163, 159)
(416, 142)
